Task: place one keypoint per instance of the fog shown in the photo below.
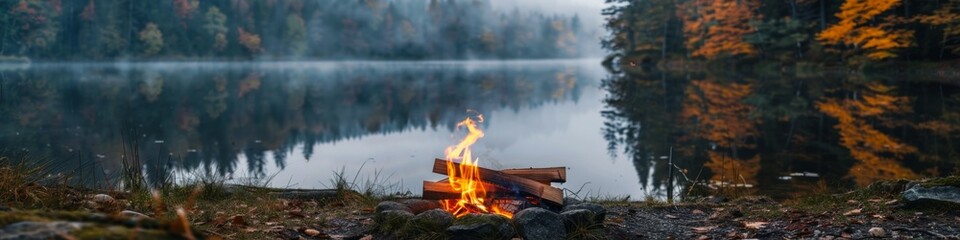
(301, 30)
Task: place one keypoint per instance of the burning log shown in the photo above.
(443, 190)
(547, 193)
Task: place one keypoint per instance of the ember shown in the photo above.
(472, 189)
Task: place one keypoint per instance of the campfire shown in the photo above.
(470, 188)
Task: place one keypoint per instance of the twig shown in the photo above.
(920, 230)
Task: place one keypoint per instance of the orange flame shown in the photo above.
(466, 179)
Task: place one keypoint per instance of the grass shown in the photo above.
(28, 184)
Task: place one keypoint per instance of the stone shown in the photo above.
(600, 213)
(39, 230)
(473, 231)
(102, 199)
(579, 218)
(481, 226)
(920, 195)
(877, 232)
(418, 206)
(433, 219)
(311, 232)
(133, 215)
(391, 205)
(571, 201)
(539, 224)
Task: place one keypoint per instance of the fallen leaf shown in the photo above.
(891, 202)
(367, 237)
(698, 212)
(852, 202)
(875, 200)
(703, 230)
(671, 216)
(755, 225)
(853, 212)
(238, 220)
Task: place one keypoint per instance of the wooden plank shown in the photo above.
(543, 175)
(549, 194)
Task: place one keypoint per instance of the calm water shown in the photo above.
(297, 123)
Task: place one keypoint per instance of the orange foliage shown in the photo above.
(856, 28)
(716, 28)
(948, 17)
(719, 110)
(249, 40)
(877, 152)
(733, 170)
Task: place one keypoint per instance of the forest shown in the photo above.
(107, 30)
(850, 31)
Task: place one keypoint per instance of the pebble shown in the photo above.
(311, 232)
(877, 232)
(102, 198)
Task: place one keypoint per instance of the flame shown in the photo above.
(466, 179)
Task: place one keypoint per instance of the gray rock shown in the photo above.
(473, 231)
(579, 219)
(38, 230)
(418, 206)
(571, 201)
(391, 205)
(433, 219)
(102, 199)
(481, 226)
(600, 213)
(918, 195)
(539, 224)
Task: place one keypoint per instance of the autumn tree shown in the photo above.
(184, 9)
(863, 27)
(641, 26)
(717, 28)
(215, 24)
(250, 41)
(947, 16)
(152, 39)
(34, 21)
(295, 34)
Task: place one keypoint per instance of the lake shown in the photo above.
(298, 123)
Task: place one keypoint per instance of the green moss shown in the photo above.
(121, 233)
(953, 181)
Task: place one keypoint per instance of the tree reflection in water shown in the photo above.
(760, 130)
(183, 118)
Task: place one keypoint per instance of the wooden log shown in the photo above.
(542, 175)
(443, 190)
(549, 194)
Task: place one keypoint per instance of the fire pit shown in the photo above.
(474, 201)
(470, 188)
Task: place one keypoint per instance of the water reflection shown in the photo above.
(200, 117)
(782, 135)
